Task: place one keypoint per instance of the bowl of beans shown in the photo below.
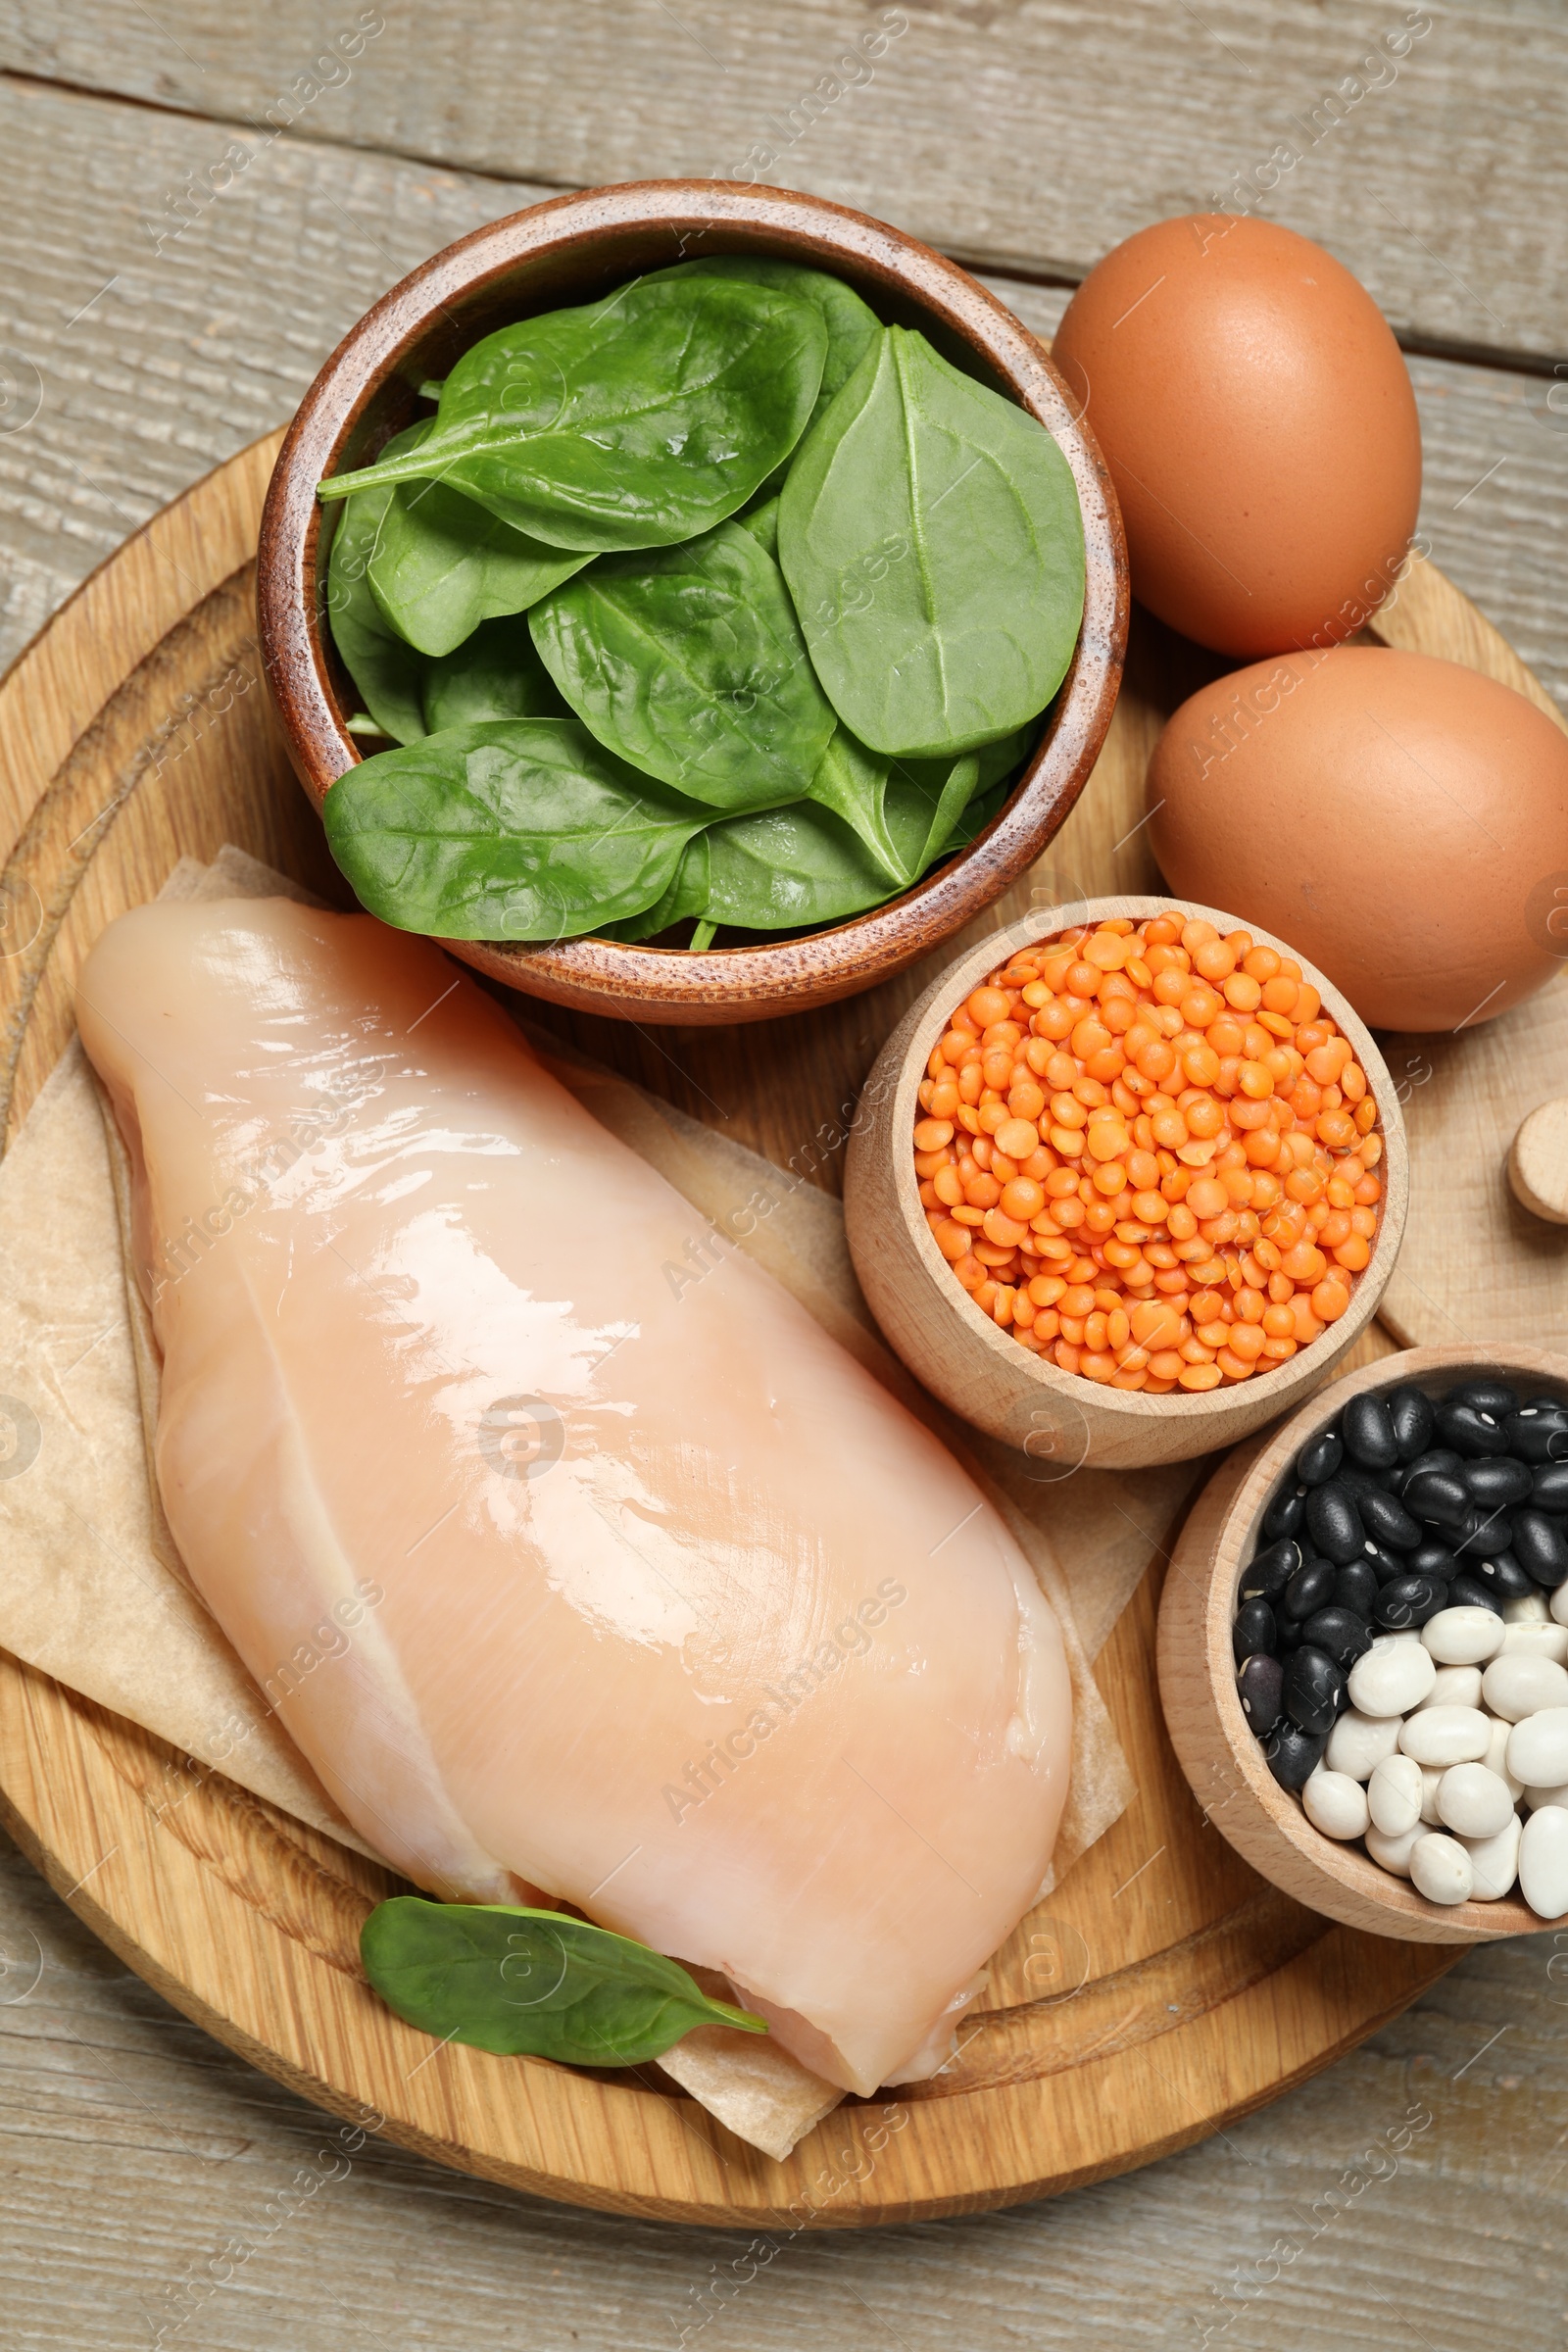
(1126, 1183)
(1363, 1646)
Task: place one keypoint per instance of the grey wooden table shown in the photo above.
(197, 202)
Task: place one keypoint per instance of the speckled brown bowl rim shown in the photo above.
(568, 248)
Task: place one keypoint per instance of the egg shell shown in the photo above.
(1259, 422)
(1402, 822)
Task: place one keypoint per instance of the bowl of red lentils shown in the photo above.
(1127, 1183)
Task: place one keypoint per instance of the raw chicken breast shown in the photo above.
(573, 1552)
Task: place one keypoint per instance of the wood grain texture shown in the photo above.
(956, 1349)
(1446, 189)
(1215, 1746)
(1074, 2071)
(129, 373)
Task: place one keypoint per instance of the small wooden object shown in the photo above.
(1215, 1746)
(982, 1372)
(575, 249)
(1537, 1164)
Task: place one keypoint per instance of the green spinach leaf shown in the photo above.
(533, 1984)
(522, 828)
(687, 662)
(636, 421)
(787, 868)
(387, 670)
(686, 894)
(851, 325)
(495, 674)
(443, 563)
(762, 521)
(932, 540)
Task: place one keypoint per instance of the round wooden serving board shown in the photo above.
(1161, 1991)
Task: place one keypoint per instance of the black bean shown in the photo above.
(1470, 1430)
(1497, 1480)
(1310, 1587)
(1386, 1565)
(1339, 1634)
(1435, 1458)
(1292, 1755)
(1501, 1573)
(1258, 1686)
(1412, 1420)
(1541, 1548)
(1388, 1520)
(1319, 1458)
(1469, 1592)
(1486, 1532)
(1271, 1570)
(1288, 1635)
(1362, 1480)
(1356, 1588)
(1493, 1396)
(1439, 1496)
(1551, 1487)
(1538, 1433)
(1253, 1630)
(1433, 1559)
(1410, 1601)
(1314, 1690)
(1368, 1433)
(1284, 1514)
(1334, 1523)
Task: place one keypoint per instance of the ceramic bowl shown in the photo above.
(1215, 1746)
(572, 250)
(1058, 1418)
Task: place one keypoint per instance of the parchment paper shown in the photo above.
(93, 1592)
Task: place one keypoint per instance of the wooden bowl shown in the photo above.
(1058, 1418)
(574, 249)
(1214, 1744)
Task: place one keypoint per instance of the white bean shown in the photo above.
(1473, 1803)
(1445, 1736)
(1517, 1686)
(1537, 1641)
(1430, 1781)
(1463, 1637)
(1454, 1687)
(1538, 1748)
(1393, 1795)
(1359, 1742)
(1543, 1861)
(1559, 1606)
(1335, 1804)
(1393, 1853)
(1441, 1869)
(1494, 1862)
(1534, 1799)
(1495, 1758)
(1529, 1608)
(1393, 1677)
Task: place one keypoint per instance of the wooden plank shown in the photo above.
(180, 359)
(1029, 134)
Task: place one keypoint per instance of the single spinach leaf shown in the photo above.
(932, 540)
(686, 894)
(522, 828)
(635, 421)
(851, 325)
(443, 563)
(387, 670)
(787, 868)
(974, 819)
(852, 782)
(495, 674)
(762, 521)
(687, 662)
(533, 1984)
(925, 800)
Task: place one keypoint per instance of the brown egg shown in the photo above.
(1403, 821)
(1257, 417)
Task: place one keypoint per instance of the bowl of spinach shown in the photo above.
(689, 603)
